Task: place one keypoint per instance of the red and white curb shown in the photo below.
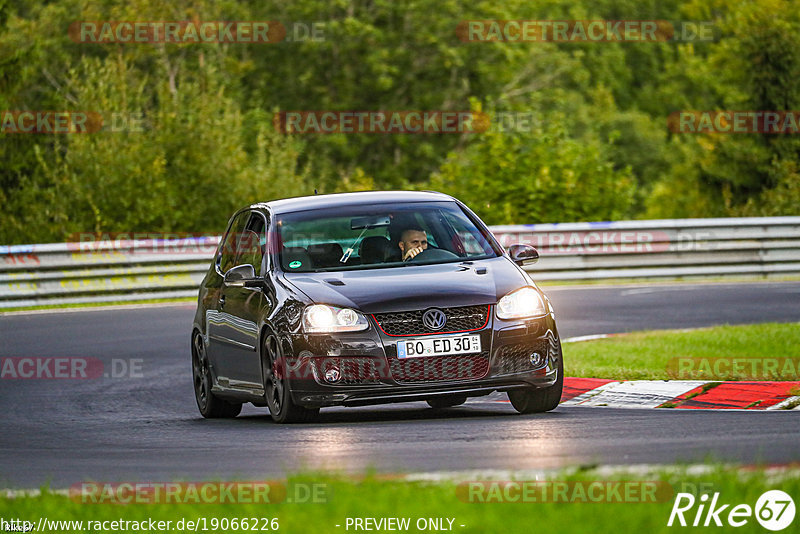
(681, 394)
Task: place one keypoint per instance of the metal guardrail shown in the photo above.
(765, 247)
(103, 271)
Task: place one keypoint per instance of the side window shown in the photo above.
(422, 223)
(252, 243)
(227, 252)
(466, 237)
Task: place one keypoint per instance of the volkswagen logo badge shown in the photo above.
(434, 319)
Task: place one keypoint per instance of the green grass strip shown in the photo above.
(576, 509)
(769, 351)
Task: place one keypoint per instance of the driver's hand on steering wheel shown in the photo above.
(410, 253)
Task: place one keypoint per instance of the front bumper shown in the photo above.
(515, 354)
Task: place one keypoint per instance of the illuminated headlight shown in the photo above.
(323, 318)
(524, 302)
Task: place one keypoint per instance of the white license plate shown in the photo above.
(438, 346)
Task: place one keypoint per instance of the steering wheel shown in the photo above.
(433, 254)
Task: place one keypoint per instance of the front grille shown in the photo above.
(409, 323)
(354, 370)
(457, 367)
(516, 358)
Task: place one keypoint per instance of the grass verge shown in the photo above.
(769, 351)
(576, 509)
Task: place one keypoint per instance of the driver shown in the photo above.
(413, 240)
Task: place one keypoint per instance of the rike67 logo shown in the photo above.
(774, 510)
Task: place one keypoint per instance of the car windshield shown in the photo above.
(378, 236)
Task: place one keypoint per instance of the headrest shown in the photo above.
(325, 254)
(374, 249)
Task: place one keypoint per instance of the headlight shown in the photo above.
(323, 318)
(524, 302)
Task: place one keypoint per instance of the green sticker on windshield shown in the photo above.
(295, 264)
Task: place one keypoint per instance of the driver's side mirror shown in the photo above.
(523, 254)
(243, 276)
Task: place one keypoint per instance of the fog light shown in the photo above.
(333, 374)
(536, 359)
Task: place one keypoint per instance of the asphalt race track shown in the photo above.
(148, 429)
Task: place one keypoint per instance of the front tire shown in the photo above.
(210, 406)
(538, 400)
(276, 385)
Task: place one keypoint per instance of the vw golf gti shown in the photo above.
(367, 298)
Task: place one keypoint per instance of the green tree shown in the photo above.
(537, 176)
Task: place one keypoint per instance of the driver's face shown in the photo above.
(412, 239)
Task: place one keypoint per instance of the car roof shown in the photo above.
(289, 205)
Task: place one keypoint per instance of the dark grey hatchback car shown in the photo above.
(367, 298)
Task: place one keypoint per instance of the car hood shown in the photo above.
(414, 286)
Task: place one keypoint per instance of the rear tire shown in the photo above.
(210, 406)
(277, 389)
(538, 400)
(446, 401)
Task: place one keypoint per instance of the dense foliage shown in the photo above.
(598, 149)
